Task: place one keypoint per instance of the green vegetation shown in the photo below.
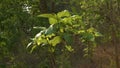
(59, 34)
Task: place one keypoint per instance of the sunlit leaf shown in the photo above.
(53, 21)
(50, 35)
(47, 15)
(40, 41)
(81, 31)
(69, 48)
(56, 40)
(63, 14)
(61, 30)
(42, 28)
(40, 33)
(50, 30)
(91, 29)
(33, 48)
(29, 44)
(67, 20)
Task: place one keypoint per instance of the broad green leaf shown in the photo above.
(61, 30)
(85, 49)
(63, 14)
(37, 35)
(97, 34)
(67, 20)
(47, 15)
(50, 30)
(53, 21)
(90, 37)
(52, 18)
(91, 29)
(33, 48)
(40, 41)
(56, 40)
(69, 48)
(74, 17)
(81, 31)
(68, 38)
(29, 44)
(50, 35)
(40, 33)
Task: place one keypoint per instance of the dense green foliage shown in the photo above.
(59, 33)
(63, 28)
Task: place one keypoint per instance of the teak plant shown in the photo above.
(63, 28)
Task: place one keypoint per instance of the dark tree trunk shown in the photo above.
(43, 6)
(47, 6)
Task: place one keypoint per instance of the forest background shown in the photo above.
(59, 33)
